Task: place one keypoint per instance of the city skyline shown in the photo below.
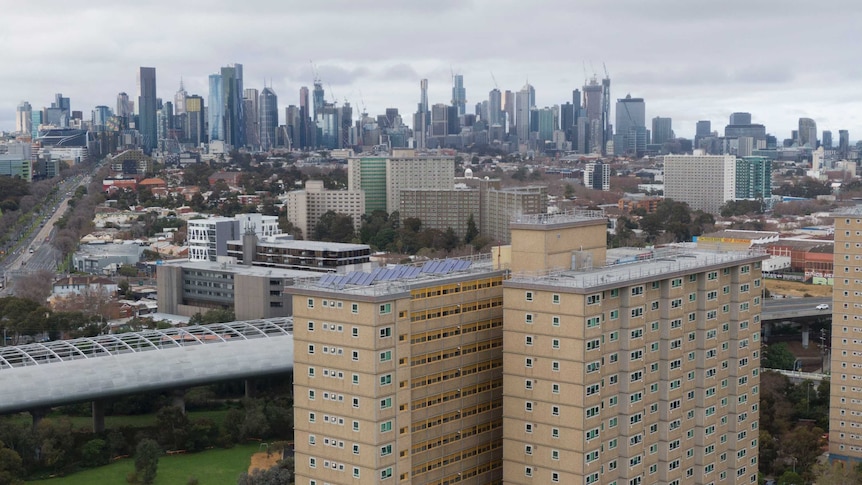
(676, 79)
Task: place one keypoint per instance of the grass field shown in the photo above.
(213, 467)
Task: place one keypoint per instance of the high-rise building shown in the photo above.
(147, 107)
(593, 98)
(845, 407)
(180, 99)
(753, 178)
(459, 94)
(607, 129)
(807, 133)
(125, 107)
(305, 207)
(704, 182)
(233, 116)
(703, 128)
(628, 374)
(439, 120)
(662, 130)
(509, 109)
(495, 108)
(100, 118)
(740, 118)
(415, 377)
(318, 99)
(630, 127)
(420, 121)
(597, 176)
(547, 123)
(36, 122)
(195, 129)
(251, 111)
(307, 132)
(268, 112)
(523, 105)
(843, 143)
(827, 139)
(24, 118)
(215, 108)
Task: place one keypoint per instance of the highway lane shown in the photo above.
(778, 308)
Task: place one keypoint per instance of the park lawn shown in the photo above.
(214, 467)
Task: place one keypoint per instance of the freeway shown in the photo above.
(43, 255)
(787, 308)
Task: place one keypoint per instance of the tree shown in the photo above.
(94, 453)
(334, 227)
(778, 356)
(11, 466)
(173, 426)
(128, 271)
(274, 476)
(472, 231)
(569, 191)
(35, 287)
(56, 443)
(215, 315)
(837, 473)
(147, 460)
(790, 478)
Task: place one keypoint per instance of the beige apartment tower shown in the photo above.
(845, 403)
(534, 364)
(400, 379)
(638, 373)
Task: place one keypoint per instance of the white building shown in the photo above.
(704, 182)
(208, 237)
(305, 207)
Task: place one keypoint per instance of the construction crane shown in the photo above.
(607, 76)
(495, 80)
(314, 72)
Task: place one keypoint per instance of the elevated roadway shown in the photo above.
(791, 308)
(42, 375)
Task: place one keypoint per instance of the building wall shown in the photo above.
(257, 297)
(441, 209)
(611, 383)
(369, 175)
(443, 375)
(305, 207)
(499, 206)
(417, 172)
(541, 247)
(845, 407)
(704, 182)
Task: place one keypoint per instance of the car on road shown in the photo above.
(822, 306)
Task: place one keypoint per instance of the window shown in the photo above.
(614, 314)
(311, 372)
(555, 366)
(555, 299)
(592, 322)
(528, 362)
(615, 292)
(386, 379)
(386, 473)
(386, 403)
(528, 406)
(310, 303)
(311, 417)
(355, 402)
(311, 348)
(385, 308)
(311, 394)
(354, 308)
(312, 462)
(555, 388)
(354, 332)
(555, 477)
(555, 343)
(676, 283)
(528, 449)
(355, 355)
(594, 299)
(528, 318)
(528, 471)
(529, 296)
(386, 356)
(310, 326)
(385, 332)
(528, 384)
(637, 312)
(637, 290)
(555, 321)
(386, 450)
(528, 340)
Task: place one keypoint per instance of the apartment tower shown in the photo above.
(845, 406)
(637, 373)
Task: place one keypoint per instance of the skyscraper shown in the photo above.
(843, 143)
(268, 108)
(495, 108)
(704, 182)
(524, 101)
(306, 137)
(420, 122)
(703, 128)
(662, 130)
(24, 118)
(101, 115)
(125, 107)
(232, 92)
(318, 98)
(147, 107)
(250, 100)
(459, 94)
(630, 127)
(593, 105)
(607, 130)
(807, 133)
(215, 110)
(195, 129)
(827, 139)
(180, 99)
(509, 109)
(439, 120)
(740, 118)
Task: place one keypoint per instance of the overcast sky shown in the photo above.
(689, 59)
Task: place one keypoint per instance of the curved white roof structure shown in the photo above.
(66, 371)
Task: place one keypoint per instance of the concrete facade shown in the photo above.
(305, 207)
(704, 182)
